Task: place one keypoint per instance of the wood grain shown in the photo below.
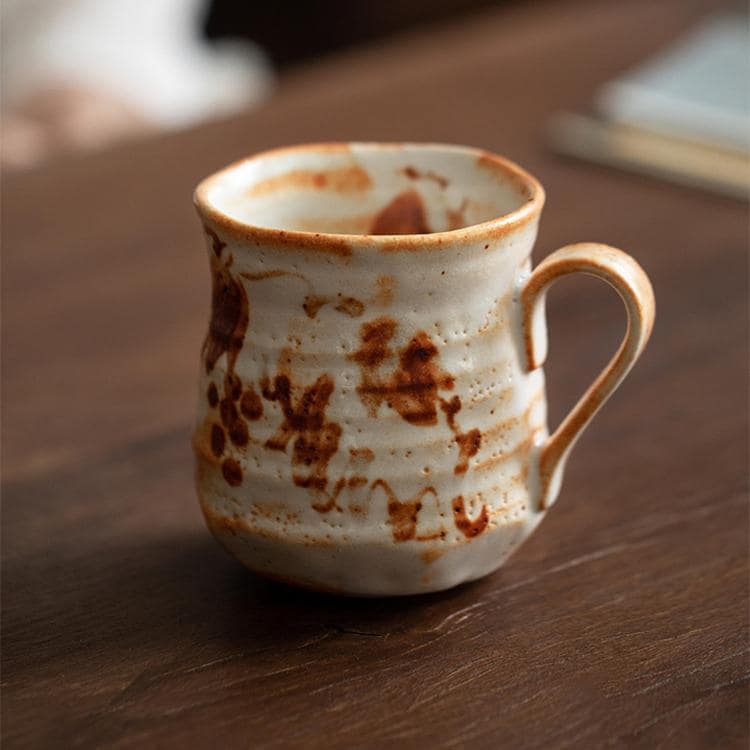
(623, 622)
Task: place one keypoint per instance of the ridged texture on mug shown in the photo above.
(364, 422)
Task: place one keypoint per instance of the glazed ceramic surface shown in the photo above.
(372, 415)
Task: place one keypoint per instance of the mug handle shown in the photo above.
(622, 273)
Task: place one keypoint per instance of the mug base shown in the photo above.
(368, 568)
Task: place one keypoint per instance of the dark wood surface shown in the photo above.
(622, 622)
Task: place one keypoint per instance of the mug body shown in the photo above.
(365, 422)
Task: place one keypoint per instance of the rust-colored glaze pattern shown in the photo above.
(403, 519)
(234, 424)
(464, 524)
(218, 440)
(350, 306)
(375, 338)
(386, 287)
(229, 310)
(327, 502)
(212, 395)
(469, 442)
(411, 386)
(344, 180)
(232, 472)
(366, 455)
(415, 174)
(313, 303)
(230, 316)
(217, 244)
(403, 515)
(316, 439)
(405, 214)
(413, 389)
(251, 406)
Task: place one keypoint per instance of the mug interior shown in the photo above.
(369, 189)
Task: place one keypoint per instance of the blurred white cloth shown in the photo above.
(141, 60)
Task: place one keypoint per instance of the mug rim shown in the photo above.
(342, 243)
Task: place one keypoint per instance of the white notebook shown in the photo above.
(698, 89)
(684, 115)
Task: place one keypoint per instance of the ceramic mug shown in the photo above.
(372, 414)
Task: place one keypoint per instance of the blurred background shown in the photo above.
(80, 75)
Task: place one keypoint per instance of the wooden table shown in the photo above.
(623, 621)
